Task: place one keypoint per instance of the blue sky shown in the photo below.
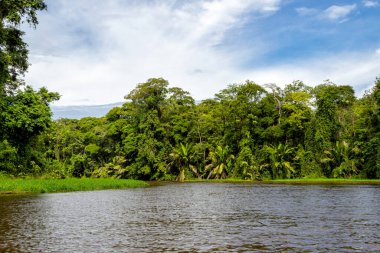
(95, 51)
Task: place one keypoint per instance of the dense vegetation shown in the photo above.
(246, 131)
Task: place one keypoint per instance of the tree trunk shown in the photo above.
(181, 177)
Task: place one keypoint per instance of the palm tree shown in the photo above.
(302, 161)
(181, 157)
(279, 160)
(246, 164)
(338, 159)
(220, 160)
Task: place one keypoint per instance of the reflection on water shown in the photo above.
(196, 217)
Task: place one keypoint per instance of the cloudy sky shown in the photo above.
(96, 51)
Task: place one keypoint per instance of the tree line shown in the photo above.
(246, 131)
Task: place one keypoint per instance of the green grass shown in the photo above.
(304, 181)
(8, 186)
(12, 186)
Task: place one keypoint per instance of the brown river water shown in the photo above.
(195, 217)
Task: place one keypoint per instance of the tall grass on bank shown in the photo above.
(65, 185)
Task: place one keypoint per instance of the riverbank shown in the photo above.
(300, 181)
(17, 186)
(327, 181)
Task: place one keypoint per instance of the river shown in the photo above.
(195, 217)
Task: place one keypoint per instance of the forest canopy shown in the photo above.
(246, 131)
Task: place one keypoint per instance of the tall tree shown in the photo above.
(238, 111)
(330, 98)
(13, 50)
(146, 140)
(368, 132)
(24, 113)
(297, 112)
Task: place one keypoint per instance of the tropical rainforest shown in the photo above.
(246, 131)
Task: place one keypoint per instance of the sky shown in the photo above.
(95, 52)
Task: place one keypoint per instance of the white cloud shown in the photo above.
(336, 12)
(304, 11)
(95, 52)
(370, 3)
(378, 51)
(356, 69)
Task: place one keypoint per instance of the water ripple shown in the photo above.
(197, 217)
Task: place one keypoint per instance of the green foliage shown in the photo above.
(330, 100)
(24, 112)
(338, 161)
(27, 114)
(12, 11)
(13, 50)
(221, 163)
(280, 157)
(247, 165)
(8, 158)
(181, 158)
(161, 134)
